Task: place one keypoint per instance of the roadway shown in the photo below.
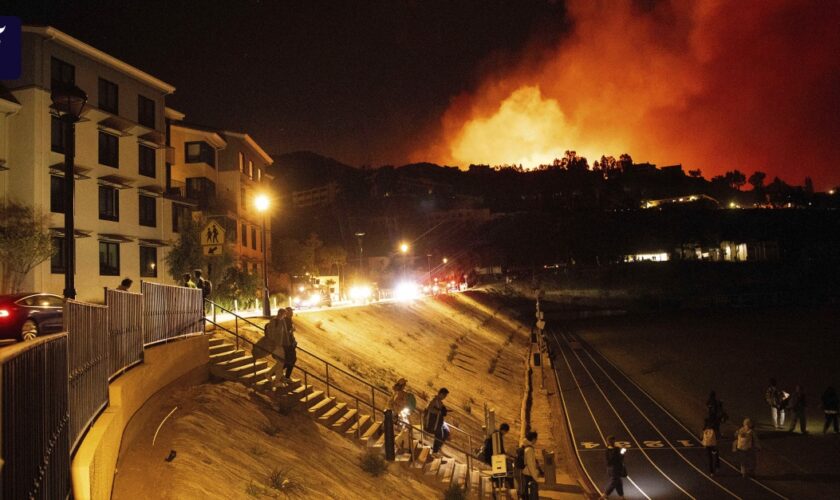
(664, 459)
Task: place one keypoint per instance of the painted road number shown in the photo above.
(589, 445)
(653, 444)
(685, 442)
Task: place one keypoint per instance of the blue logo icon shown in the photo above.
(10, 28)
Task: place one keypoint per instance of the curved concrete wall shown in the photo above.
(95, 461)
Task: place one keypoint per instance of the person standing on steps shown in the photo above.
(526, 462)
(281, 339)
(746, 446)
(290, 324)
(487, 449)
(615, 468)
(831, 406)
(401, 405)
(797, 406)
(709, 440)
(205, 286)
(434, 419)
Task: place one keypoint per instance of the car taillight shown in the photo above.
(4, 313)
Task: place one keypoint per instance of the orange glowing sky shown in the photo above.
(711, 84)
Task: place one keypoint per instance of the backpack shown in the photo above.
(519, 462)
(709, 438)
(206, 288)
(744, 441)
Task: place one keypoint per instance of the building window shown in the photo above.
(251, 169)
(259, 174)
(244, 235)
(147, 161)
(108, 96)
(241, 162)
(145, 111)
(109, 258)
(254, 238)
(179, 216)
(148, 211)
(56, 194)
(148, 262)
(109, 150)
(61, 73)
(57, 129)
(200, 152)
(202, 190)
(109, 203)
(58, 262)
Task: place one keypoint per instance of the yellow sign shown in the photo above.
(212, 250)
(213, 234)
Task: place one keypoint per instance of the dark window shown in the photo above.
(148, 211)
(244, 235)
(58, 263)
(56, 194)
(109, 203)
(254, 238)
(109, 258)
(108, 96)
(148, 262)
(109, 150)
(57, 129)
(61, 73)
(200, 152)
(202, 190)
(147, 161)
(179, 216)
(145, 111)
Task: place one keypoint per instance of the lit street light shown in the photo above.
(360, 235)
(69, 102)
(261, 203)
(429, 264)
(404, 250)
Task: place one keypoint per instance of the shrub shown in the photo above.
(254, 490)
(455, 492)
(281, 480)
(374, 463)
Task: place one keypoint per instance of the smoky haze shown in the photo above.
(712, 84)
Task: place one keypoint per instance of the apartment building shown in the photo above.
(219, 174)
(120, 156)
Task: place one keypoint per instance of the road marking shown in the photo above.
(623, 423)
(736, 469)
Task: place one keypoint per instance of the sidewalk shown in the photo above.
(545, 422)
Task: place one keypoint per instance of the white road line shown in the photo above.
(658, 431)
(595, 421)
(736, 469)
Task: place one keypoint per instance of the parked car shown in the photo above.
(24, 316)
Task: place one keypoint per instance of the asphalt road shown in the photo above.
(664, 459)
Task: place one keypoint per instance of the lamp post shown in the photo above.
(69, 102)
(360, 235)
(261, 202)
(429, 264)
(404, 250)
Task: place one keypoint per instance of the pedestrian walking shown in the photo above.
(290, 324)
(830, 405)
(526, 463)
(402, 404)
(125, 284)
(615, 468)
(187, 281)
(487, 450)
(204, 284)
(715, 412)
(776, 400)
(797, 407)
(434, 420)
(746, 446)
(276, 333)
(709, 438)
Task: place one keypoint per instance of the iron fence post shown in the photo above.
(327, 367)
(373, 403)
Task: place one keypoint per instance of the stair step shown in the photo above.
(345, 421)
(459, 475)
(248, 367)
(302, 390)
(333, 414)
(216, 341)
(432, 468)
(251, 378)
(372, 432)
(220, 348)
(361, 423)
(445, 472)
(475, 480)
(312, 398)
(321, 407)
(486, 487)
(238, 358)
(423, 454)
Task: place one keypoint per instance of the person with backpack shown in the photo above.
(709, 440)
(187, 281)
(615, 468)
(204, 284)
(775, 399)
(831, 406)
(433, 420)
(715, 412)
(487, 449)
(797, 407)
(745, 446)
(529, 470)
(277, 334)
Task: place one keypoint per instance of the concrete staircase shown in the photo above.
(229, 363)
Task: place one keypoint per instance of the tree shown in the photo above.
(329, 256)
(187, 254)
(625, 161)
(25, 242)
(735, 179)
(696, 174)
(757, 181)
(236, 284)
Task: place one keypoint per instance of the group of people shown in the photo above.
(782, 403)
(280, 332)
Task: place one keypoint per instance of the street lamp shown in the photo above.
(69, 102)
(261, 203)
(429, 264)
(360, 235)
(404, 250)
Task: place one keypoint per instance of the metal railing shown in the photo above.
(170, 312)
(87, 329)
(35, 416)
(125, 330)
(459, 440)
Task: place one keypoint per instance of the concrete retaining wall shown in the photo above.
(93, 466)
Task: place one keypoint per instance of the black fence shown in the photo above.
(35, 416)
(170, 312)
(87, 328)
(125, 330)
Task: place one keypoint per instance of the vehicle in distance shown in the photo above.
(24, 316)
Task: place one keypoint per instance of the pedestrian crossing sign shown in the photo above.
(212, 238)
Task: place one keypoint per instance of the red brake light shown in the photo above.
(4, 313)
